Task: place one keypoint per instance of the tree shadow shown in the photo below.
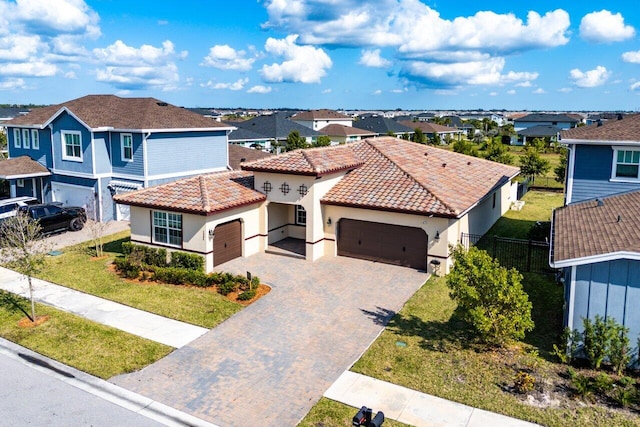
(44, 364)
(380, 317)
(114, 246)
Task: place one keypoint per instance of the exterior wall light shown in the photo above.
(211, 233)
(329, 221)
(437, 238)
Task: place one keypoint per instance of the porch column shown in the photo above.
(12, 188)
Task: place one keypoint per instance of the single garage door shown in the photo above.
(72, 195)
(227, 242)
(387, 243)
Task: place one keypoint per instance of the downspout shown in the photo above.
(571, 156)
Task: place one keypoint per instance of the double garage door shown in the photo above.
(227, 242)
(387, 243)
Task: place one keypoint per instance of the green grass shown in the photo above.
(97, 349)
(76, 269)
(329, 413)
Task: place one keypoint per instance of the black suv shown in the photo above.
(54, 217)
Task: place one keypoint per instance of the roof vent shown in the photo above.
(162, 104)
(444, 165)
(468, 163)
(620, 116)
(599, 123)
(242, 160)
(600, 202)
(619, 218)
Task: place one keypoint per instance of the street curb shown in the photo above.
(98, 387)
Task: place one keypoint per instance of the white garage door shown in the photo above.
(72, 195)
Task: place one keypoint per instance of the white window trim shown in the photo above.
(614, 163)
(296, 210)
(35, 139)
(25, 139)
(122, 156)
(20, 182)
(167, 228)
(17, 138)
(64, 145)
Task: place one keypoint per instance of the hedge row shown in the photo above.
(140, 254)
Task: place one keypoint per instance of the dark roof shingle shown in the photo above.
(21, 167)
(625, 129)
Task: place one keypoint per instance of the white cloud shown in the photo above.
(12, 83)
(524, 84)
(260, 89)
(376, 92)
(511, 92)
(605, 27)
(327, 91)
(632, 57)
(592, 78)
(127, 67)
(237, 85)
(55, 17)
(372, 58)
(304, 64)
(565, 89)
(31, 69)
(225, 57)
(493, 93)
(539, 91)
(635, 86)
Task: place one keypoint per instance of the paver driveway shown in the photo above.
(270, 363)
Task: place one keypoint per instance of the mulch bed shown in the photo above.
(26, 323)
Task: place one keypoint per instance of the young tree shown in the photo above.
(496, 151)
(561, 170)
(532, 165)
(295, 141)
(490, 296)
(418, 136)
(465, 147)
(322, 141)
(24, 249)
(97, 229)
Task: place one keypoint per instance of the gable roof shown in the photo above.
(627, 128)
(381, 125)
(590, 231)
(540, 131)
(323, 114)
(546, 117)
(403, 176)
(275, 126)
(201, 195)
(239, 155)
(428, 127)
(21, 167)
(241, 134)
(110, 111)
(335, 129)
(310, 161)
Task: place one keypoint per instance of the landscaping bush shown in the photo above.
(596, 339)
(247, 295)
(127, 247)
(524, 382)
(255, 282)
(225, 288)
(185, 260)
(126, 268)
(181, 276)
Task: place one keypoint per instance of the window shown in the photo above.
(16, 138)
(167, 228)
(20, 182)
(72, 146)
(35, 139)
(301, 215)
(25, 138)
(494, 201)
(627, 163)
(126, 145)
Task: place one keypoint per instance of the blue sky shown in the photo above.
(340, 54)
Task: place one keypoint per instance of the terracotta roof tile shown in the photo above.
(121, 113)
(589, 229)
(626, 129)
(312, 161)
(203, 194)
(404, 176)
(22, 166)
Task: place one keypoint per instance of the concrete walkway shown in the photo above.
(412, 407)
(147, 325)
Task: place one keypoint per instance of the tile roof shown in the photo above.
(21, 167)
(121, 113)
(275, 126)
(320, 115)
(239, 155)
(404, 176)
(381, 125)
(428, 127)
(625, 129)
(310, 161)
(591, 229)
(202, 195)
(335, 129)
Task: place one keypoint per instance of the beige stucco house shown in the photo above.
(382, 199)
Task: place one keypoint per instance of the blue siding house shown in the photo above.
(98, 146)
(595, 237)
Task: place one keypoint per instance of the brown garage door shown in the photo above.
(391, 244)
(227, 242)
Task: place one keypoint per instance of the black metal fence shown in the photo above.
(524, 255)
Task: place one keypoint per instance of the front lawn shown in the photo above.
(97, 349)
(77, 269)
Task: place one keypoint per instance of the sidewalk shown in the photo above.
(410, 406)
(147, 325)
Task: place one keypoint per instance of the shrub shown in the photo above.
(491, 297)
(226, 287)
(540, 231)
(524, 382)
(185, 260)
(247, 295)
(255, 282)
(624, 396)
(156, 257)
(582, 385)
(216, 278)
(243, 283)
(568, 347)
(596, 339)
(619, 354)
(127, 247)
(603, 383)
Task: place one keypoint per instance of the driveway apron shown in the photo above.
(271, 362)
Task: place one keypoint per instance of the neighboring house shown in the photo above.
(101, 145)
(24, 173)
(239, 155)
(539, 131)
(382, 126)
(318, 119)
(382, 199)
(446, 133)
(562, 121)
(277, 127)
(248, 138)
(595, 237)
(341, 134)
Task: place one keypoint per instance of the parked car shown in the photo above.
(9, 207)
(55, 217)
